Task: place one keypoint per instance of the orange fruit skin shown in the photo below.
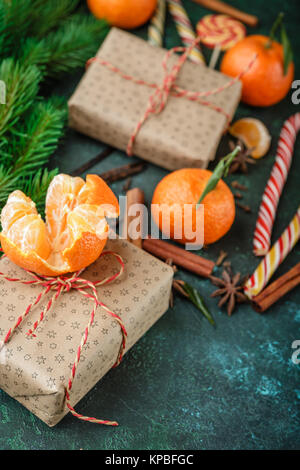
(265, 83)
(185, 186)
(97, 192)
(84, 251)
(127, 14)
(30, 260)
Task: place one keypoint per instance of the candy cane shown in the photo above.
(157, 25)
(185, 29)
(274, 257)
(274, 187)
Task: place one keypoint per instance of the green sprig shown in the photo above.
(287, 48)
(198, 301)
(220, 171)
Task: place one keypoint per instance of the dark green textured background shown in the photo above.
(187, 385)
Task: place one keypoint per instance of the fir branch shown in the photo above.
(22, 85)
(68, 48)
(20, 19)
(8, 183)
(51, 15)
(37, 138)
(15, 22)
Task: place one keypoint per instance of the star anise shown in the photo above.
(230, 289)
(242, 159)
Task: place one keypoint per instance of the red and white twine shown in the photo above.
(275, 184)
(89, 290)
(159, 98)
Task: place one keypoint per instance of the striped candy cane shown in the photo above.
(274, 257)
(185, 29)
(157, 25)
(274, 187)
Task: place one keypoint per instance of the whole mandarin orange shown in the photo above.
(185, 186)
(265, 83)
(127, 14)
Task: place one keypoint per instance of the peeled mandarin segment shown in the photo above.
(254, 134)
(86, 218)
(17, 206)
(29, 233)
(96, 191)
(61, 198)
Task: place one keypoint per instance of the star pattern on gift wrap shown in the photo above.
(51, 334)
(51, 382)
(8, 353)
(19, 372)
(59, 358)
(107, 293)
(124, 292)
(41, 360)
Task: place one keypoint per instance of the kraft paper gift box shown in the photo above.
(108, 107)
(35, 371)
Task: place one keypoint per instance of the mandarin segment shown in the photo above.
(254, 134)
(75, 231)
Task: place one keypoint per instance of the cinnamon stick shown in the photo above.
(134, 196)
(222, 7)
(122, 172)
(277, 289)
(99, 158)
(190, 261)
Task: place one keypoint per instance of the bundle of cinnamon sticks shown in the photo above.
(277, 289)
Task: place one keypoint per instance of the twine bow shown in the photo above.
(86, 288)
(159, 98)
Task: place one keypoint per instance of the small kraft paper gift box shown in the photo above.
(125, 100)
(36, 369)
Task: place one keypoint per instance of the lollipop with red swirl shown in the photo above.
(220, 32)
